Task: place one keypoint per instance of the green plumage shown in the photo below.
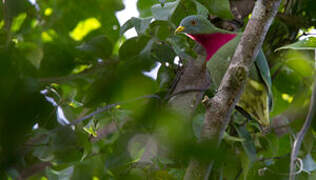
(256, 99)
(257, 94)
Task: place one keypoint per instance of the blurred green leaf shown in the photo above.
(201, 9)
(133, 47)
(165, 12)
(83, 28)
(73, 53)
(33, 52)
(144, 7)
(248, 143)
(163, 52)
(160, 29)
(140, 24)
(220, 8)
(305, 44)
(63, 174)
(99, 47)
(17, 22)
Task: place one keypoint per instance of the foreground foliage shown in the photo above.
(76, 102)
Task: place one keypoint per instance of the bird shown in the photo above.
(256, 99)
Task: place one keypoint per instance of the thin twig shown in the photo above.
(98, 68)
(298, 141)
(186, 91)
(110, 106)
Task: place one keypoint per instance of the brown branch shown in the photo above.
(222, 104)
(298, 141)
(110, 106)
(191, 86)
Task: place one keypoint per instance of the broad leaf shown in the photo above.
(99, 47)
(306, 44)
(220, 8)
(140, 24)
(201, 9)
(165, 12)
(248, 143)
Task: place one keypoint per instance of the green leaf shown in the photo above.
(32, 52)
(185, 8)
(248, 143)
(163, 52)
(17, 22)
(181, 47)
(62, 174)
(144, 6)
(161, 29)
(305, 44)
(220, 8)
(140, 24)
(133, 47)
(165, 12)
(99, 46)
(201, 9)
(83, 28)
(58, 59)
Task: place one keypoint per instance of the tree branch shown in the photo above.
(222, 104)
(110, 106)
(298, 141)
(192, 85)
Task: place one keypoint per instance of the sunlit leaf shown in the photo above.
(49, 35)
(84, 27)
(1, 24)
(48, 11)
(18, 21)
(287, 97)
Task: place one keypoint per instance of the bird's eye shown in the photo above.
(193, 23)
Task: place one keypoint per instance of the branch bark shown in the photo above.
(222, 104)
(194, 76)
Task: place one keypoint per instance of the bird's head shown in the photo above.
(196, 24)
(201, 30)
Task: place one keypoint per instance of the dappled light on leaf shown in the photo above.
(84, 27)
(287, 98)
(49, 35)
(48, 11)
(18, 21)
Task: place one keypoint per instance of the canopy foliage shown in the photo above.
(76, 101)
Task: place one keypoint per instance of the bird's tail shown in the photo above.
(255, 101)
